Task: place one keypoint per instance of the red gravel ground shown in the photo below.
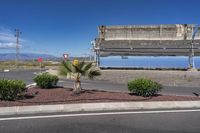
(36, 96)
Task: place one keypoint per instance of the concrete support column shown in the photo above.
(191, 57)
(98, 58)
(160, 34)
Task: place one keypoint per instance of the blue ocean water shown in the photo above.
(148, 61)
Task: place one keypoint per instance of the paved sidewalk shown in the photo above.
(121, 106)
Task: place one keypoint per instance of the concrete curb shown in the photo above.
(98, 107)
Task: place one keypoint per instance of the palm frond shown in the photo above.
(93, 73)
(82, 69)
(65, 68)
(79, 67)
(62, 71)
(87, 66)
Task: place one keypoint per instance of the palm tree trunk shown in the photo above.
(77, 87)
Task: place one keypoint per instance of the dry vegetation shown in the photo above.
(34, 64)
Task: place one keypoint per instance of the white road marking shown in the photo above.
(6, 70)
(61, 81)
(84, 83)
(98, 114)
(36, 73)
(29, 85)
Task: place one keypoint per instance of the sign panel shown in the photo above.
(65, 56)
(40, 59)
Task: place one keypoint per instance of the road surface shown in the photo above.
(27, 76)
(112, 122)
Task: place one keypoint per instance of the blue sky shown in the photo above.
(68, 26)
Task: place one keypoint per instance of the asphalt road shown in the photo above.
(173, 122)
(27, 76)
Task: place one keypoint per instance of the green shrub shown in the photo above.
(144, 87)
(11, 89)
(46, 80)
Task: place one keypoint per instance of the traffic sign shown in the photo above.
(65, 56)
(40, 59)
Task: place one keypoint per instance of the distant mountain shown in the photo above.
(26, 56)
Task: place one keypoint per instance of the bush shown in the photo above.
(11, 89)
(144, 87)
(46, 80)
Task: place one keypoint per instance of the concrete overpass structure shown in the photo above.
(148, 40)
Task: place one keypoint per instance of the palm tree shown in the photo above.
(78, 69)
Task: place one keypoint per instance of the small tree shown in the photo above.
(78, 69)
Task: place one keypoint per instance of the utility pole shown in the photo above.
(97, 52)
(17, 34)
